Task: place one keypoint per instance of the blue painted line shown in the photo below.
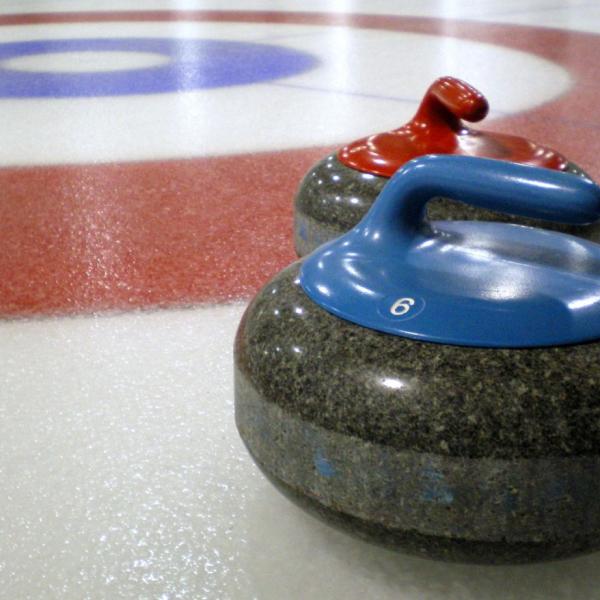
(309, 88)
(578, 123)
(193, 65)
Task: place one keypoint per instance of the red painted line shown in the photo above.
(110, 237)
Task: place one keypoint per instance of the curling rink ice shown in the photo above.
(138, 215)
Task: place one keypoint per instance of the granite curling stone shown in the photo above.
(338, 191)
(434, 386)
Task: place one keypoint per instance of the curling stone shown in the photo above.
(338, 191)
(434, 386)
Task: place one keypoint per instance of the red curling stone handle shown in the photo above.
(438, 128)
(446, 102)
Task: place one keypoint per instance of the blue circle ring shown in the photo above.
(194, 64)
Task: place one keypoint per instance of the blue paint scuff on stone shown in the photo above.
(435, 488)
(302, 231)
(323, 466)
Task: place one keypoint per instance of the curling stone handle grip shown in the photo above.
(447, 101)
(496, 185)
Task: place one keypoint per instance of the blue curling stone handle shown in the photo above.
(466, 282)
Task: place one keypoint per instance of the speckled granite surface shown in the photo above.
(332, 198)
(460, 453)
